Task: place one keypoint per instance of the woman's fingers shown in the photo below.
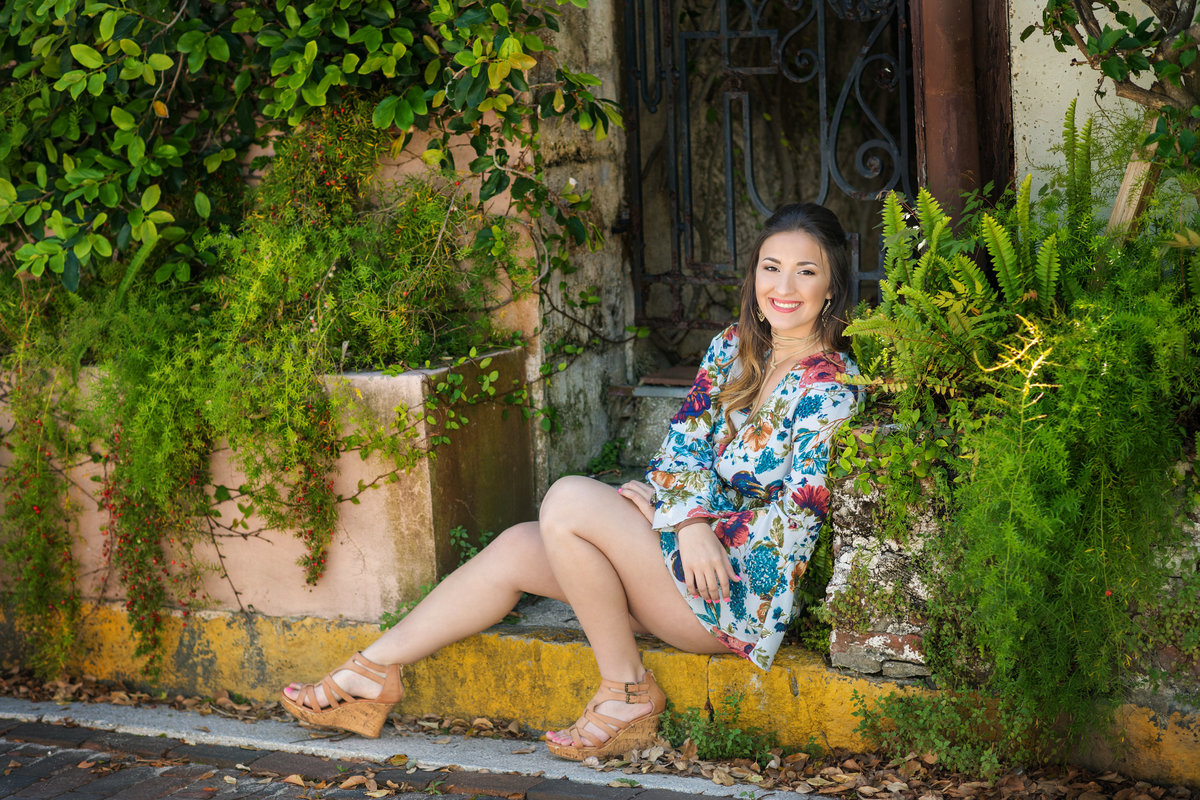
(705, 563)
(641, 495)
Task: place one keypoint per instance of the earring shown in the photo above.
(758, 313)
(825, 309)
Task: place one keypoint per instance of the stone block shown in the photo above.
(218, 755)
(884, 646)
(54, 735)
(653, 407)
(488, 784)
(570, 790)
(143, 746)
(857, 660)
(903, 669)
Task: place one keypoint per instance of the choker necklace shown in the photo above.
(778, 341)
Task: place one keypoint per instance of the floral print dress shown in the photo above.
(763, 490)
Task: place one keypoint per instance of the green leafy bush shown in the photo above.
(718, 734)
(1060, 374)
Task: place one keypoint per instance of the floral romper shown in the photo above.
(763, 491)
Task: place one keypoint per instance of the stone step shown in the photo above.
(642, 416)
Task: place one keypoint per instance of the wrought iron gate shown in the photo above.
(737, 106)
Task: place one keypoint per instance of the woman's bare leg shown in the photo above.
(589, 538)
(474, 597)
(609, 564)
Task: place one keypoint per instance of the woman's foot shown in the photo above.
(359, 702)
(617, 709)
(350, 682)
(620, 717)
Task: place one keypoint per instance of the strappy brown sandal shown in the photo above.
(623, 736)
(343, 711)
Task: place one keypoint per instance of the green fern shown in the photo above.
(1004, 259)
(929, 213)
(897, 238)
(1024, 227)
(1047, 272)
(968, 273)
(1193, 274)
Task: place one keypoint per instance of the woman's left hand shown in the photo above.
(641, 495)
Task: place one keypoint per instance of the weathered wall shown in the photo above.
(385, 547)
(1044, 81)
(587, 42)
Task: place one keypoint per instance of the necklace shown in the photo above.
(779, 341)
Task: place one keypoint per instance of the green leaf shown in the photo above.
(404, 115)
(1047, 272)
(122, 118)
(500, 13)
(150, 197)
(241, 82)
(130, 48)
(218, 49)
(87, 56)
(194, 40)
(385, 112)
(1004, 259)
(107, 23)
(268, 39)
(203, 206)
(160, 61)
(370, 36)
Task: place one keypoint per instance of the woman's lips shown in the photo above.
(782, 307)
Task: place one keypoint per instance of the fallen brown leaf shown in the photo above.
(352, 781)
(294, 780)
(843, 787)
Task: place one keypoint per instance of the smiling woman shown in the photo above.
(707, 555)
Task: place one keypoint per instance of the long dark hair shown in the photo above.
(754, 335)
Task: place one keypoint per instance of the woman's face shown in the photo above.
(792, 282)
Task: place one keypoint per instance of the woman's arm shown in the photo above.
(682, 472)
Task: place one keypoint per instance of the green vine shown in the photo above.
(213, 315)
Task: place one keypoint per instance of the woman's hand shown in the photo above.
(642, 496)
(705, 561)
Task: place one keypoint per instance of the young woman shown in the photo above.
(706, 556)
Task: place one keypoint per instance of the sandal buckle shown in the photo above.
(631, 693)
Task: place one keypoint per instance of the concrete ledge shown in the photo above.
(542, 678)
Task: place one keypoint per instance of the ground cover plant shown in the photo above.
(153, 305)
(1047, 372)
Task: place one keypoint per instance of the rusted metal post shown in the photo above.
(947, 119)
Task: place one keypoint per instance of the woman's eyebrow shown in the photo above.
(778, 261)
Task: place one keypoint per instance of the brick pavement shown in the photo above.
(41, 761)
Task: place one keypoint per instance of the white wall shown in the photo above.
(1043, 83)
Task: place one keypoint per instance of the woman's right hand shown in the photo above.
(705, 562)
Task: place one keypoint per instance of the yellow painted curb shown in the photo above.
(543, 679)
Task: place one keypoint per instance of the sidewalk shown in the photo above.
(59, 737)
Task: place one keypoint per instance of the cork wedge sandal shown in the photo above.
(623, 735)
(344, 711)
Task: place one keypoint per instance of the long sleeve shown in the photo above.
(682, 472)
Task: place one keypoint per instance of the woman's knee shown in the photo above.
(564, 502)
(518, 543)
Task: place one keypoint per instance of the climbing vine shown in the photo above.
(214, 313)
